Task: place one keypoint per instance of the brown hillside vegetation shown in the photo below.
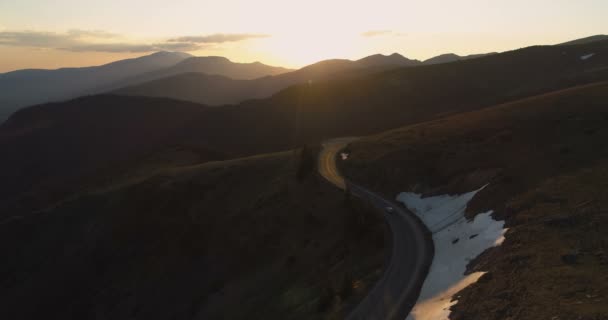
(241, 239)
(545, 159)
(554, 264)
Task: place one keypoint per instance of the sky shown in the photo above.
(62, 33)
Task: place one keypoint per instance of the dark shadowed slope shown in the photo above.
(27, 87)
(50, 143)
(205, 88)
(240, 239)
(211, 90)
(374, 103)
(54, 144)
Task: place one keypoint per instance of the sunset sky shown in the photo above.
(51, 34)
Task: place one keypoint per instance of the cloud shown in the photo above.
(219, 38)
(37, 39)
(376, 33)
(379, 33)
(130, 47)
(77, 40)
(78, 33)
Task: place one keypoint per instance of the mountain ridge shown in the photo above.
(201, 88)
(594, 38)
(452, 57)
(26, 87)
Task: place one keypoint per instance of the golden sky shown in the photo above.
(51, 34)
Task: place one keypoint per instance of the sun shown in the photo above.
(309, 44)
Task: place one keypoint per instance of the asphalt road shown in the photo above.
(396, 292)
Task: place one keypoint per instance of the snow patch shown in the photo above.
(437, 212)
(457, 242)
(587, 56)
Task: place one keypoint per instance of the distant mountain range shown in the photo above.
(219, 90)
(208, 80)
(32, 86)
(28, 87)
(224, 67)
(394, 59)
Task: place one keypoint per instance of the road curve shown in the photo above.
(394, 295)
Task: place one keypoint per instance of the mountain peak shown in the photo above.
(211, 59)
(381, 60)
(171, 54)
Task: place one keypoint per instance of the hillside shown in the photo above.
(28, 87)
(211, 90)
(545, 160)
(56, 143)
(207, 89)
(599, 37)
(451, 57)
(188, 241)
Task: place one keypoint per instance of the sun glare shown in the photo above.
(309, 46)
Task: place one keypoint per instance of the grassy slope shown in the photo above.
(545, 159)
(554, 264)
(238, 239)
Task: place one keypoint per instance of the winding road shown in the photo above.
(394, 295)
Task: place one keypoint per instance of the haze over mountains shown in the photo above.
(208, 80)
(32, 86)
(219, 90)
(28, 87)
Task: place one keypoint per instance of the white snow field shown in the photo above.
(457, 241)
